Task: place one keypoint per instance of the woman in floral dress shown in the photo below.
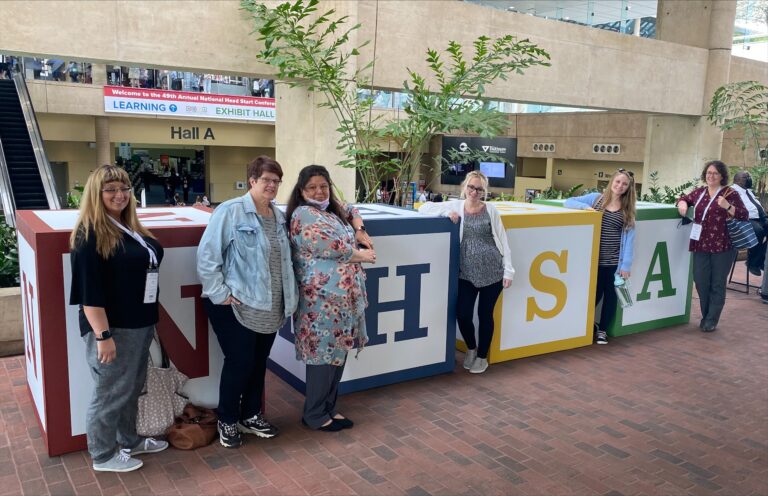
(329, 243)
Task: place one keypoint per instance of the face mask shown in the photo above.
(321, 205)
(748, 183)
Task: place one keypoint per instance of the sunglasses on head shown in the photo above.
(627, 172)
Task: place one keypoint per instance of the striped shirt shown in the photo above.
(610, 237)
(267, 322)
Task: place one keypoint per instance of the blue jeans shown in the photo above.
(111, 416)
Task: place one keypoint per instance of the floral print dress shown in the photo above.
(330, 319)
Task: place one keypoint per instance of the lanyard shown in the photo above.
(708, 204)
(140, 240)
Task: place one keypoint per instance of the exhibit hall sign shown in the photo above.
(145, 101)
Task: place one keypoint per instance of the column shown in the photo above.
(679, 146)
(99, 74)
(104, 149)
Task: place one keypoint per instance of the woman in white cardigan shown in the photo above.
(485, 264)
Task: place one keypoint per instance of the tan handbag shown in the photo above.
(161, 400)
(194, 428)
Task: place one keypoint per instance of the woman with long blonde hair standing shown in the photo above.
(115, 262)
(617, 240)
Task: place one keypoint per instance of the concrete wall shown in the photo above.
(80, 159)
(590, 68)
(228, 165)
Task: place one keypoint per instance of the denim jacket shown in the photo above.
(627, 247)
(233, 257)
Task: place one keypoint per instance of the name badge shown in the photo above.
(150, 287)
(696, 232)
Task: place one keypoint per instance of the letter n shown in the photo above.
(193, 362)
(410, 304)
(664, 275)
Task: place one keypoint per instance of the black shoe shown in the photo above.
(334, 426)
(708, 327)
(601, 338)
(258, 426)
(345, 423)
(755, 271)
(229, 436)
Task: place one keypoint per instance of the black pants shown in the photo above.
(710, 274)
(465, 309)
(322, 393)
(756, 254)
(605, 291)
(245, 363)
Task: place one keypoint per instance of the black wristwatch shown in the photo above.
(361, 228)
(105, 334)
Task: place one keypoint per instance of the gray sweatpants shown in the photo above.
(111, 416)
(710, 274)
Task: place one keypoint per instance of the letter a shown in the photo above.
(549, 285)
(664, 275)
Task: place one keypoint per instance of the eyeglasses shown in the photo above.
(113, 191)
(627, 172)
(314, 188)
(475, 189)
(267, 181)
(712, 173)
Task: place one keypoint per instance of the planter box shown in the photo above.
(11, 325)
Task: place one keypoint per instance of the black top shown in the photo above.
(115, 284)
(610, 237)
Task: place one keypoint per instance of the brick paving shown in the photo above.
(666, 412)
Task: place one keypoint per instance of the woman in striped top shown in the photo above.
(617, 238)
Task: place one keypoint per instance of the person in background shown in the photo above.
(177, 201)
(422, 198)
(618, 204)
(764, 287)
(742, 184)
(206, 203)
(198, 201)
(329, 244)
(185, 187)
(249, 290)
(713, 204)
(115, 262)
(485, 264)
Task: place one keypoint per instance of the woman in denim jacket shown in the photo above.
(617, 240)
(249, 290)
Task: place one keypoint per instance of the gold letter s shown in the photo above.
(545, 284)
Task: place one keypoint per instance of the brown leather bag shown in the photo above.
(194, 428)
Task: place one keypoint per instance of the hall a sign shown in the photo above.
(144, 101)
(191, 133)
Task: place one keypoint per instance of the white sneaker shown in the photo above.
(469, 358)
(149, 445)
(480, 366)
(120, 462)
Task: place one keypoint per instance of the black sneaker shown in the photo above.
(258, 426)
(229, 437)
(601, 338)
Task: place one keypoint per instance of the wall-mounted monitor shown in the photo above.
(500, 172)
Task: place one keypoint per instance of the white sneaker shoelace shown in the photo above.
(123, 456)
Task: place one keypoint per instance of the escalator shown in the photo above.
(26, 181)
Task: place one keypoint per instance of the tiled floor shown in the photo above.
(673, 411)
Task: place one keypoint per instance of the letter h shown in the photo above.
(410, 304)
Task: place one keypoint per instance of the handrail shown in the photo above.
(46, 175)
(6, 193)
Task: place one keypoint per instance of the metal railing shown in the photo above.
(6, 192)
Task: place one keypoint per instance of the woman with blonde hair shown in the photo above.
(115, 262)
(617, 240)
(485, 264)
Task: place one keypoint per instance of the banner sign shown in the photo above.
(119, 99)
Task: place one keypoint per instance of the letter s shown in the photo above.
(545, 284)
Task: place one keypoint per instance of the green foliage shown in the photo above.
(553, 193)
(665, 194)
(73, 197)
(9, 256)
(313, 50)
(743, 106)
